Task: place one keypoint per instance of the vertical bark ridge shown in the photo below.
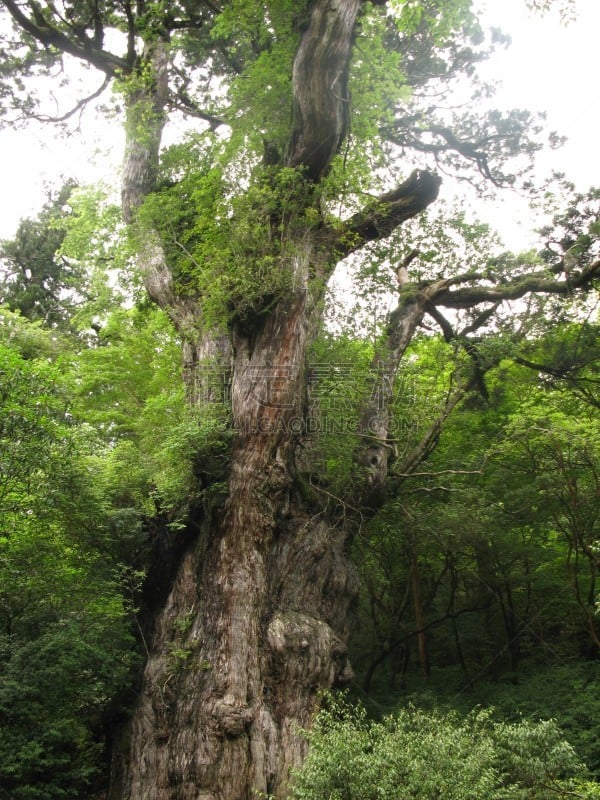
(146, 102)
(321, 99)
(265, 595)
(145, 121)
(374, 454)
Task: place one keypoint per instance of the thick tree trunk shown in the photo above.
(223, 702)
(321, 108)
(258, 615)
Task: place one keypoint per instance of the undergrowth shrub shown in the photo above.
(430, 755)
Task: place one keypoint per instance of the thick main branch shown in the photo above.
(390, 210)
(321, 100)
(414, 301)
(49, 35)
(535, 282)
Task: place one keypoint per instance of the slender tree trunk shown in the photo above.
(375, 662)
(510, 625)
(452, 610)
(400, 664)
(485, 596)
(419, 615)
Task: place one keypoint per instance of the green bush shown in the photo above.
(53, 692)
(426, 756)
(566, 691)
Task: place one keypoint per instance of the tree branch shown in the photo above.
(447, 329)
(375, 453)
(480, 320)
(50, 36)
(471, 151)
(130, 31)
(389, 211)
(586, 388)
(181, 100)
(538, 282)
(321, 100)
(430, 438)
(79, 107)
(437, 473)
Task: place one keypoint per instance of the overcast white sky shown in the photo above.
(551, 68)
(554, 69)
(548, 68)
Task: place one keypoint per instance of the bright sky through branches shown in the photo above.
(548, 68)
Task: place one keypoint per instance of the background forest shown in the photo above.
(476, 643)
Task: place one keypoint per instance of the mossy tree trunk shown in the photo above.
(259, 613)
(258, 616)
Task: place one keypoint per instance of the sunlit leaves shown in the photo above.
(438, 18)
(574, 232)
(566, 8)
(263, 38)
(229, 245)
(32, 435)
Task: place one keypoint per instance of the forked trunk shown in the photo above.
(258, 615)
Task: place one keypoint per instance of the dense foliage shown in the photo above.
(478, 580)
(66, 646)
(425, 755)
(440, 425)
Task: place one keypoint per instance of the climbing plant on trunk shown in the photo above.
(302, 111)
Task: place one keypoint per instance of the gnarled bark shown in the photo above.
(258, 616)
(222, 704)
(321, 98)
